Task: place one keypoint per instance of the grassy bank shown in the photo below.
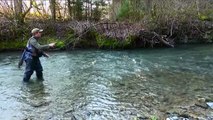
(14, 45)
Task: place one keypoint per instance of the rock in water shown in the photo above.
(172, 118)
(210, 104)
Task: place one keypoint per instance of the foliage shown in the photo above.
(60, 44)
(97, 12)
(14, 45)
(130, 11)
(124, 10)
(112, 43)
(153, 118)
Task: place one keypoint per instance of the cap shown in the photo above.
(35, 30)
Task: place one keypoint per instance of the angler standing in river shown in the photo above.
(31, 55)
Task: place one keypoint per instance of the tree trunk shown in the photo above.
(69, 8)
(91, 9)
(86, 10)
(18, 12)
(53, 9)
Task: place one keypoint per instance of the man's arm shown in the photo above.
(35, 44)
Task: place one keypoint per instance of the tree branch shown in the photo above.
(25, 13)
(171, 29)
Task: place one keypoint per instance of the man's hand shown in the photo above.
(45, 55)
(52, 45)
(20, 63)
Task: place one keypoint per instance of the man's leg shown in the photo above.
(39, 70)
(39, 75)
(28, 70)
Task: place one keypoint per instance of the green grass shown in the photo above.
(13, 45)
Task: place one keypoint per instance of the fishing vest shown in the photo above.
(30, 51)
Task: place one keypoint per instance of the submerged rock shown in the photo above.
(40, 104)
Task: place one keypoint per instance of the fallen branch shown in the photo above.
(163, 41)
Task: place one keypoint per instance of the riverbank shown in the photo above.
(20, 46)
(109, 25)
(108, 35)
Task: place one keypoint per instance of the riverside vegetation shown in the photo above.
(120, 25)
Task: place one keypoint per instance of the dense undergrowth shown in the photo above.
(177, 21)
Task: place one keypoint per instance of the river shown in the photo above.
(112, 85)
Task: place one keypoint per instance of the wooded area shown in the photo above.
(167, 22)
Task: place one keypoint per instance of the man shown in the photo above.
(32, 53)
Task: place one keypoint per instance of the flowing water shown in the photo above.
(111, 85)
